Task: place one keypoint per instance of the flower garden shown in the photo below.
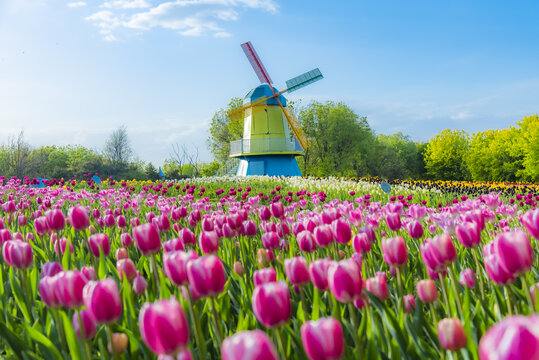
(268, 268)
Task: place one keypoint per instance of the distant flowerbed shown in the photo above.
(267, 268)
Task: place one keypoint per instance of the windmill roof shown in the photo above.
(263, 91)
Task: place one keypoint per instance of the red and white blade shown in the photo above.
(256, 63)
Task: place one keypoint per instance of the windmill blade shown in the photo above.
(295, 126)
(256, 63)
(235, 114)
(303, 80)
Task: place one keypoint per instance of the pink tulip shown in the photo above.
(426, 290)
(88, 324)
(109, 220)
(18, 254)
(264, 213)
(139, 285)
(323, 235)
(271, 304)
(415, 229)
(530, 220)
(61, 245)
(277, 209)
(102, 298)
(56, 219)
(341, 231)
(209, 242)
(394, 250)
(22, 220)
(97, 242)
(248, 345)
(495, 271)
(438, 252)
(175, 266)
(78, 217)
(175, 244)
(89, 273)
(126, 267)
(409, 303)
(514, 252)
(323, 339)
(41, 225)
(264, 276)
(377, 285)
(514, 338)
(207, 275)
(306, 242)
(467, 278)
(451, 334)
(361, 243)
(47, 292)
(249, 228)
(51, 268)
(187, 237)
(5, 235)
(163, 327)
(121, 253)
(68, 288)
(393, 220)
(121, 221)
(270, 240)
(468, 234)
(126, 240)
(163, 223)
(297, 270)
(147, 239)
(344, 279)
(318, 271)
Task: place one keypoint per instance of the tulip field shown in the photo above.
(263, 268)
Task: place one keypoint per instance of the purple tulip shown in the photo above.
(18, 254)
(394, 250)
(88, 324)
(277, 209)
(147, 239)
(126, 267)
(51, 268)
(102, 298)
(264, 276)
(163, 327)
(209, 242)
(393, 220)
(361, 243)
(323, 235)
(318, 271)
(495, 271)
(187, 237)
(206, 275)
(248, 345)
(306, 241)
(139, 285)
(175, 266)
(297, 270)
(467, 278)
(126, 240)
(341, 231)
(56, 219)
(514, 338)
(271, 304)
(47, 291)
(415, 229)
(468, 234)
(99, 241)
(344, 279)
(323, 339)
(78, 217)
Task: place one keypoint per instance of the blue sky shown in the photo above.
(73, 71)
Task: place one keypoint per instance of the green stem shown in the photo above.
(351, 309)
(109, 337)
(455, 290)
(279, 338)
(444, 293)
(198, 331)
(399, 284)
(479, 272)
(60, 328)
(508, 299)
(303, 303)
(216, 320)
(26, 289)
(87, 353)
(155, 276)
(527, 292)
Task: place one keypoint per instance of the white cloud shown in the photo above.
(126, 4)
(76, 4)
(187, 17)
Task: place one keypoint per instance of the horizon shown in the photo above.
(163, 68)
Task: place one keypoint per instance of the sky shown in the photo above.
(71, 72)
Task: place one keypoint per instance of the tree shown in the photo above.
(118, 150)
(527, 142)
(151, 172)
(19, 155)
(444, 156)
(223, 130)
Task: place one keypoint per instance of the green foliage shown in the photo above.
(151, 172)
(223, 130)
(444, 156)
(528, 140)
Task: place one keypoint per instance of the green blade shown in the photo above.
(303, 80)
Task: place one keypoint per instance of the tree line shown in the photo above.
(344, 144)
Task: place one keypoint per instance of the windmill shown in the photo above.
(272, 135)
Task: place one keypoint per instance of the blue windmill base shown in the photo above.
(271, 165)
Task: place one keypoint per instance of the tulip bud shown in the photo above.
(175, 266)
(377, 285)
(426, 290)
(409, 303)
(394, 250)
(318, 271)
(68, 288)
(530, 220)
(514, 252)
(127, 267)
(469, 234)
(263, 276)
(97, 242)
(139, 285)
(306, 241)
(239, 269)
(438, 252)
(209, 242)
(88, 324)
(78, 217)
(341, 231)
(415, 229)
(323, 235)
(270, 240)
(147, 239)
(263, 258)
(56, 219)
(102, 298)
(119, 343)
(18, 254)
(51, 268)
(467, 278)
(121, 253)
(207, 275)
(344, 279)
(393, 220)
(451, 334)
(297, 270)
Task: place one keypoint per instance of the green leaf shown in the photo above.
(43, 340)
(316, 305)
(19, 296)
(17, 345)
(71, 337)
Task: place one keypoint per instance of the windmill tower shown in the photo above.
(272, 135)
